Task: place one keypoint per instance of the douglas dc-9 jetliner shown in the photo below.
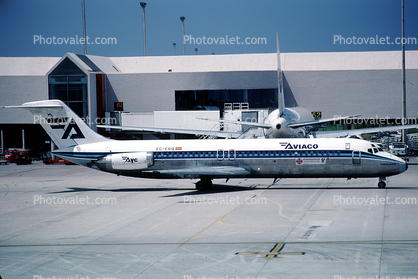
(209, 159)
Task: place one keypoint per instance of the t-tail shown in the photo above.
(280, 93)
(62, 124)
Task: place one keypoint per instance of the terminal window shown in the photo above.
(215, 99)
(69, 84)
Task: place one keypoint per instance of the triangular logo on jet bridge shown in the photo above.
(73, 125)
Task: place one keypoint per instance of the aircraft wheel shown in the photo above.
(204, 184)
(200, 186)
(381, 184)
(208, 183)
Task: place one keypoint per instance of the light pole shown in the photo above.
(84, 28)
(143, 4)
(404, 132)
(195, 50)
(182, 18)
(174, 45)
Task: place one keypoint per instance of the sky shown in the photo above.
(51, 28)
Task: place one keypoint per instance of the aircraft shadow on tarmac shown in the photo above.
(190, 191)
(222, 188)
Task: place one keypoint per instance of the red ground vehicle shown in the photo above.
(57, 160)
(18, 156)
(10, 155)
(3, 159)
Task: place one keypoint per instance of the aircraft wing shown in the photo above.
(213, 171)
(221, 134)
(321, 121)
(295, 125)
(347, 133)
(258, 125)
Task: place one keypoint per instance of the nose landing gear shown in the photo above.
(382, 183)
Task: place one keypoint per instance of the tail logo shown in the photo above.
(77, 135)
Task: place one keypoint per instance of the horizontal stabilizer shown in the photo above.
(321, 121)
(62, 124)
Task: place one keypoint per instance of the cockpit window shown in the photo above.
(370, 150)
(380, 149)
(375, 150)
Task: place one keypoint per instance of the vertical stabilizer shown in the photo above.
(280, 94)
(62, 125)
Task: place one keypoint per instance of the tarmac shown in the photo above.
(60, 221)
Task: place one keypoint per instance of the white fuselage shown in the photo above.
(273, 158)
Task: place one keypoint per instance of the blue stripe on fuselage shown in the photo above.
(82, 155)
(236, 154)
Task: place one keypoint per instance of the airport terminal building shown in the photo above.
(171, 91)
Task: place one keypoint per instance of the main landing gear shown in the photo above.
(382, 183)
(204, 184)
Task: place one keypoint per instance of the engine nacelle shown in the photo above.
(126, 161)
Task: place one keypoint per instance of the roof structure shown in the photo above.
(326, 61)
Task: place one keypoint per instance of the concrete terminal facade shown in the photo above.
(366, 83)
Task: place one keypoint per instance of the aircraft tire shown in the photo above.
(381, 184)
(200, 186)
(204, 184)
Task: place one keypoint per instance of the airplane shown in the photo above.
(283, 122)
(210, 159)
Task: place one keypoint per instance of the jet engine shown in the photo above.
(126, 161)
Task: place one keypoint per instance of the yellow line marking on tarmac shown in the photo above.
(194, 237)
(273, 252)
(219, 220)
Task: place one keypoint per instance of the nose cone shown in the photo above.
(403, 167)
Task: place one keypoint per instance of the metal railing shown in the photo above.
(217, 127)
(236, 106)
